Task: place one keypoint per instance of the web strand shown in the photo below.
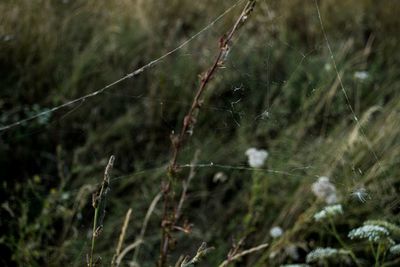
(339, 77)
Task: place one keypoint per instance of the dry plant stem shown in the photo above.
(201, 252)
(224, 45)
(237, 256)
(165, 224)
(168, 221)
(121, 237)
(98, 198)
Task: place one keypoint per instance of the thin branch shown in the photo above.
(241, 254)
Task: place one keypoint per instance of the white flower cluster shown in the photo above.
(220, 177)
(373, 233)
(323, 189)
(256, 157)
(320, 254)
(395, 250)
(393, 229)
(361, 75)
(276, 232)
(328, 212)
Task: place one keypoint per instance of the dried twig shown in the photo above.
(97, 201)
(224, 48)
(170, 213)
(201, 252)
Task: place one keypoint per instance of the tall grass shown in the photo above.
(278, 91)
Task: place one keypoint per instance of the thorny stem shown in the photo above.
(98, 198)
(165, 225)
(169, 222)
(96, 215)
(224, 45)
(170, 216)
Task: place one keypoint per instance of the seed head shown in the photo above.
(324, 190)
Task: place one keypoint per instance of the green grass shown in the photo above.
(51, 52)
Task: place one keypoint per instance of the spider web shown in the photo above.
(230, 115)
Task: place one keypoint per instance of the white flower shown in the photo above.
(361, 75)
(273, 254)
(323, 189)
(321, 254)
(276, 232)
(395, 250)
(65, 196)
(292, 252)
(8, 37)
(220, 177)
(329, 211)
(332, 198)
(256, 158)
(328, 66)
(373, 233)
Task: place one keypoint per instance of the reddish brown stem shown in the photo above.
(224, 46)
(170, 213)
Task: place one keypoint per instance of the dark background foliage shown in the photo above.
(278, 91)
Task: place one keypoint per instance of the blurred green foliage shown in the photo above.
(278, 91)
